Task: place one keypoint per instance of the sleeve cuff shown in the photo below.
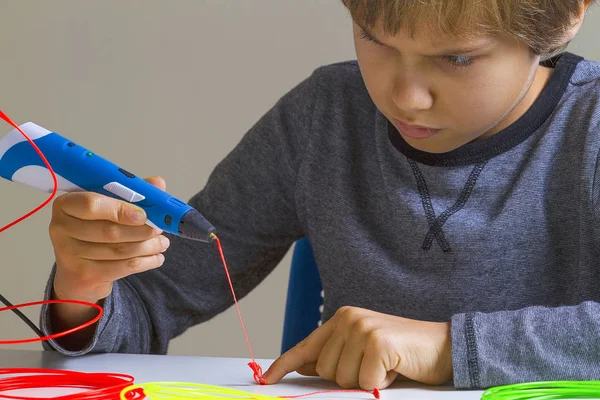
(464, 353)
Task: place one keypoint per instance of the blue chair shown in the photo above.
(304, 299)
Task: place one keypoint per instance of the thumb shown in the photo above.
(157, 181)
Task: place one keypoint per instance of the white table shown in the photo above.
(228, 372)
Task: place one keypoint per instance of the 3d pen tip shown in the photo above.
(194, 226)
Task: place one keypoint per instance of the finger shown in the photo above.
(110, 271)
(157, 181)
(390, 378)
(309, 369)
(374, 368)
(303, 353)
(350, 361)
(120, 250)
(92, 206)
(104, 231)
(327, 364)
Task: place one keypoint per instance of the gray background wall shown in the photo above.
(166, 88)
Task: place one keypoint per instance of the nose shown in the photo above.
(411, 94)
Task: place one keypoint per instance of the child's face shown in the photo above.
(462, 95)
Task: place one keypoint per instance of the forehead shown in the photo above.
(428, 39)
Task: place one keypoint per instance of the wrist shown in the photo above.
(68, 315)
(65, 288)
(56, 295)
(445, 359)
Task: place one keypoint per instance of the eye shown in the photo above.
(458, 61)
(364, 35)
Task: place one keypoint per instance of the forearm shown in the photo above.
(532, 344)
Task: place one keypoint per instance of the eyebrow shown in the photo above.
(451, 51)
(465, 50)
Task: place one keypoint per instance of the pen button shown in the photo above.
(177, 202)
(126, 173)
(123, 192)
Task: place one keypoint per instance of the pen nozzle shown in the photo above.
(194, 226)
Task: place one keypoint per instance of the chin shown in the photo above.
(432, 145)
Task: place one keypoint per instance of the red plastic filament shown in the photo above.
(59, 334)
(37, 149)
(258, 375)
(97, 385)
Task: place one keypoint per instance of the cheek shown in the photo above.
(485, 96)
(377, 79)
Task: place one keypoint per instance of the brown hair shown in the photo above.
(541, 24)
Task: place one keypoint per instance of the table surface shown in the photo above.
(227, 372)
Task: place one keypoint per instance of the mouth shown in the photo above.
(415, 131)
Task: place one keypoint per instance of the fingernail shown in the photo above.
(158, 231)
(164, 241)
(161, 258)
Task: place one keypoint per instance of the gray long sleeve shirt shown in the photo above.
(501, 236)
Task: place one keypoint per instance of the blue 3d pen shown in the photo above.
(79, 169)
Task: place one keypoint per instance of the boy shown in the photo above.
(448, 183)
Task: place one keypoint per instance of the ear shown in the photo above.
(577, 20)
